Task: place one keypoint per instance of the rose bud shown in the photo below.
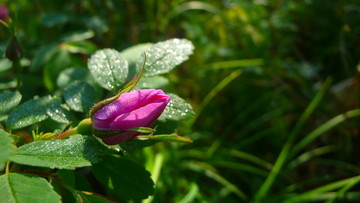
(14, 51)
(131, 110)
(4, 14)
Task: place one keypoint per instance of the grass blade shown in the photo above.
(213, 93)
(283, 156)
(317, 192)
(323, 128)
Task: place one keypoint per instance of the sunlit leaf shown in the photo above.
(59, 112)
(76, 151)
(108, 68)
(30, 112)
(16, 188)
(166, 55)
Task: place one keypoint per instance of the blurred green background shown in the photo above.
(270, 81)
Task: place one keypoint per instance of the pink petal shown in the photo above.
(131, 110)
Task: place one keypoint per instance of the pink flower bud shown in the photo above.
(4, 14)
(14, 50)
(131, 110)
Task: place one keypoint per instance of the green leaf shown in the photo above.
(51, 19)
(80, 96)
(8, 84)
(59, 112)
(72, 74)
(165, 56)
(126, 178)
(58, 62)
(82, 47)
(18, 188)
(177, 109)
(108, 68)
(78, 36)
(30, 112)
(95, 23)
(9, 100)
(75, 179)
(5, 64)
(154, 82)
(132, 54)
(42, 56)
(6, 148)
(77, 151)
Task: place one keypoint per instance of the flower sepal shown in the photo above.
(105, 133)
(164, 137)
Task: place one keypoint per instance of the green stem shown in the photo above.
(66, 134)
(84, 128)
(18, 70)
(7, 167)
